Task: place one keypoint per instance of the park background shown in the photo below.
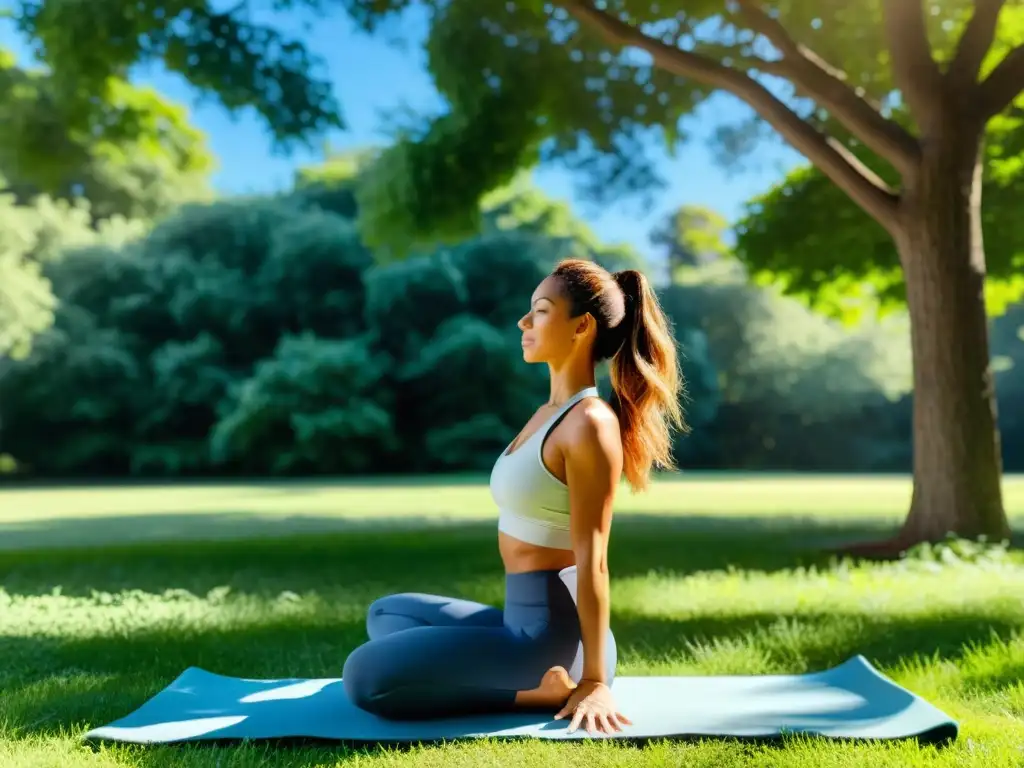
(254, 334)
(228, 421)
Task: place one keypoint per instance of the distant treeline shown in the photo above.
(259, 336)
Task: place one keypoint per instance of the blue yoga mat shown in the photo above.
(851, 701)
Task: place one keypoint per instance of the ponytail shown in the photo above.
(646, 381)
(633, 333)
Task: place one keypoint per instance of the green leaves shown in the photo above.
(807, 237)
(250, 65)
(31, 238)
(26, 304)
(427, 191)
(523, 87)
(692, 236)
(44, 150)
(315, 405)
(89, 46)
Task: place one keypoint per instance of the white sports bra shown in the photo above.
(533, 504)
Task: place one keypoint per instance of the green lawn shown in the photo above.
(107, 594)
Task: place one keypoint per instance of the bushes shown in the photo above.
(794, 390)
(259, 336)
(32, 236)
(315, 406)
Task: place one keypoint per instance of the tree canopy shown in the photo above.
(592, 84)
(163, 163)
(691, 236)
(810, 239)
(225, 52)
(62, 185)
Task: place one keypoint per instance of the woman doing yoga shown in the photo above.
(551, 646)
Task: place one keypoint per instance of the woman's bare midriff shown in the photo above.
(521, 557)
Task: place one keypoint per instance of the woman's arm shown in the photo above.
(593, 466)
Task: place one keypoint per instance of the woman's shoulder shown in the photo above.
(594, 425)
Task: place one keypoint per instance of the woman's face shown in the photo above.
(548, 330)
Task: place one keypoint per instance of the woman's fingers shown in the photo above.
(611, 725)
(577, 717)
(596, 721)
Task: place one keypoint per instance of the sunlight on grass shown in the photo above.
(88, 634)
(468, 498)
(74, 516)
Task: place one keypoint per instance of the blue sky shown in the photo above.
(372, 75)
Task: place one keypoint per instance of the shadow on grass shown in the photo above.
(201, 552)
(128, 530)
(261, 484)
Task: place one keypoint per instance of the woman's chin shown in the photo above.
(529, 356)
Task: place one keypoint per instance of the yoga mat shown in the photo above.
(851, 701)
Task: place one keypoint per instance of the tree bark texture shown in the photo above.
(957, 456)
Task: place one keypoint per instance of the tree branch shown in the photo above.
(914, 69)
(834, 160)
(1003, 84)
(974, 44)
(827, 86)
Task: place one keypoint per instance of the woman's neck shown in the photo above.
(567, 380)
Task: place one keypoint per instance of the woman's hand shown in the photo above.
(593, 701)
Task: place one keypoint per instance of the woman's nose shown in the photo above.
(524, 322)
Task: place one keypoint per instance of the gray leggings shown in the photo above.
(431, 656)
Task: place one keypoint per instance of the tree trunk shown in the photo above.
(957, 454)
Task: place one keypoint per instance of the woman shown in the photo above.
(551, 647)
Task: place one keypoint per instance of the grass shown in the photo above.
(711, 575)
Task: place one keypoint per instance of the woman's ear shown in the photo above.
(585, 324)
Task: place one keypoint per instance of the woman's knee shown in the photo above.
(362, 679)
(390, 614)
(372, 685)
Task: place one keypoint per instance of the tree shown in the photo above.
(26, 303)
(587, 82)
(785, 231)
(61, 186)
(164, 163)
(31, 236)
(223, 52)
(691, 237)
(782, 233)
